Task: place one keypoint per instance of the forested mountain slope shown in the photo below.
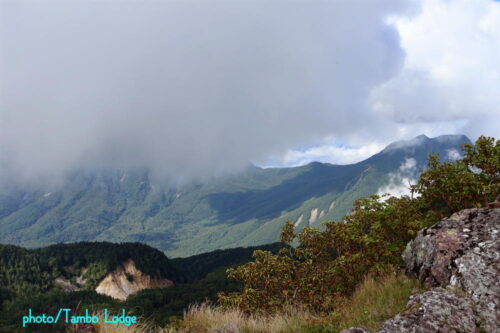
(68, 276)
(244, 209)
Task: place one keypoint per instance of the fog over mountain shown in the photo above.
(193, 89)
(244, 209)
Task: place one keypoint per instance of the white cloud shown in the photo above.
(408, 166)
(397, 186)
(453, 154)
(327, 153)
(399, 182)
(449, 83)
(451, 75)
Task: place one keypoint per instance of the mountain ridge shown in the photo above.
(244, 209)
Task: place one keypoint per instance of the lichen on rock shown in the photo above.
(436, 310)
(461, 253)
(458, 260)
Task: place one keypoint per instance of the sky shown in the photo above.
(199, 88)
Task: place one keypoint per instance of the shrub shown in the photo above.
(473, 181)
(327, 265)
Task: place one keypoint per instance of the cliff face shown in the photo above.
(126, 279)
(459, 260)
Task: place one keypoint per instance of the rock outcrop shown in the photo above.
(126, 280)
(436, 310)
(459, 260)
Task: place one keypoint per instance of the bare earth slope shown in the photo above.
(126, 280)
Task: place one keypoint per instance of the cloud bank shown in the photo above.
(187, 88)
(451, 77)
(327, 152)
(193, 89)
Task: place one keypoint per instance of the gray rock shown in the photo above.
(462, 254)
(437, 310)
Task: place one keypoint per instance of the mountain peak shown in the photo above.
(422, 139)
(452, 138)
(407, 143)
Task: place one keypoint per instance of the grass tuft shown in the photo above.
(210, 319)
(376, 300)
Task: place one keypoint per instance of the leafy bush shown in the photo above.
(473, 181)
(329, 264)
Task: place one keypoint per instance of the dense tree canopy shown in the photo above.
(25, 271)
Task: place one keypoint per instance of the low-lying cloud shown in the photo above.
(399, 182)
(185, 88)
(193, 89)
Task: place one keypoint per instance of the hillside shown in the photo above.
(348, 277)
(98, 275)
(77, 266)
(244, 209)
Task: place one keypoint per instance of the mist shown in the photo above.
(187, 89)
(197, 89)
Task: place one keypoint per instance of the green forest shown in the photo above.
(27, 279)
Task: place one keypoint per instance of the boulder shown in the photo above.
(441, 254)
(437, 310)
(459, 258)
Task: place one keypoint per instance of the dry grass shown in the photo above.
(376, 300)
(209, 319)
(120, 328)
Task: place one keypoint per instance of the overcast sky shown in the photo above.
(199, 88)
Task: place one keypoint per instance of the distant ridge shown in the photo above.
(245, 209)
(423, 139)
